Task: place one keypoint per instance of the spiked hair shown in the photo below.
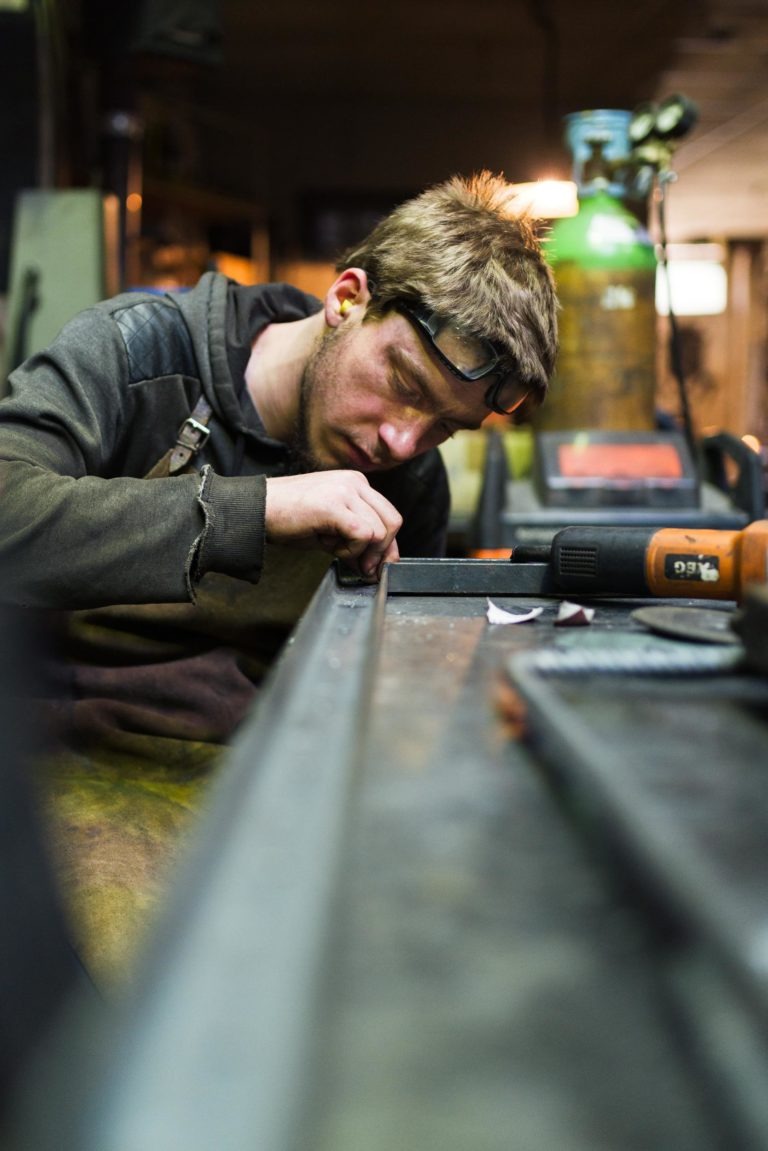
(464, 250)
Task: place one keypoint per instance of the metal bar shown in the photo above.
(213, 1051)
(682, 864)
(465, 577)
(693, 847)
(476, 995)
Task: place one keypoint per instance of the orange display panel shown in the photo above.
(620, 461)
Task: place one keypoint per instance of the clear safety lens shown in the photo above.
(471, 356)
(468, 357)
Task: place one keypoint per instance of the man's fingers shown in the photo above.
(337, 511)
(370, 532)
(372, 560)
(365, 554)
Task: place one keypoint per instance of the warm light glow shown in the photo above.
(548, 199)
(133, 202)
(752, 442)
(698, 279)
(698, 289)
(238, 268)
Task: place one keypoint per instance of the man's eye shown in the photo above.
(405, 391)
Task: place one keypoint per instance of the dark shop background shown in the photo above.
(262, 139)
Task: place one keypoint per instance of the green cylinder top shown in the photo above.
(604, 234)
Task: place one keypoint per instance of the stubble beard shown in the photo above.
(317, 379)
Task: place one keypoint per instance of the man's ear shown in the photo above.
(347, 296)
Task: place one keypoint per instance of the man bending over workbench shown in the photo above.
(178, 471)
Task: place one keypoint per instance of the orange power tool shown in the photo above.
(696, 563)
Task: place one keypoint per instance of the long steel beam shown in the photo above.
(212, 1051)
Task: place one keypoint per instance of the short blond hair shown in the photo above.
(464, 250)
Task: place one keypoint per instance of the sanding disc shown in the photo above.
(702, 625)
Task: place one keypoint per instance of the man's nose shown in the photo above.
(402, 438)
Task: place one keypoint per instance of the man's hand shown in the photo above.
(338, 512)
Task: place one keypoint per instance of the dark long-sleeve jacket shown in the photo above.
(86, 420)
(193, 603)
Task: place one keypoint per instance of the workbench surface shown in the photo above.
(446, 898)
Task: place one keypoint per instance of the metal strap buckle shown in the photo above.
(192, 433)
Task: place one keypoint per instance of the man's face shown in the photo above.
(373, 396)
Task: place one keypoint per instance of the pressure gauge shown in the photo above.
(675, 116)
(643, 123)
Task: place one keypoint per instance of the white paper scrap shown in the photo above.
(498, 615)
(574, 615)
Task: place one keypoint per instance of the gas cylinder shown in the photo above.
(605, 269)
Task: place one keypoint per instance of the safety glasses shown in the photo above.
(466, 356)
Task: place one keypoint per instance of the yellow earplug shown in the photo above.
(344, 307)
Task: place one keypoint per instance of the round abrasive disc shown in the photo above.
(703, 625)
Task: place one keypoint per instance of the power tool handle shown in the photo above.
(601, 559)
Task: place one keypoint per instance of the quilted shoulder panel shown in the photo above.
(157, 341)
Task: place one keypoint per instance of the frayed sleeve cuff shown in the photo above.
(232, 539)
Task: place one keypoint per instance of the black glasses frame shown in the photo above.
(429, 323)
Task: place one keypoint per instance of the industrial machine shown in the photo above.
(64, 257)
(591, 477)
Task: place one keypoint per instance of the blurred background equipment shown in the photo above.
(602, 451)
(64, 257)
(605, 269)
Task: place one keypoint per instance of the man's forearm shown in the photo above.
(71, 543)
